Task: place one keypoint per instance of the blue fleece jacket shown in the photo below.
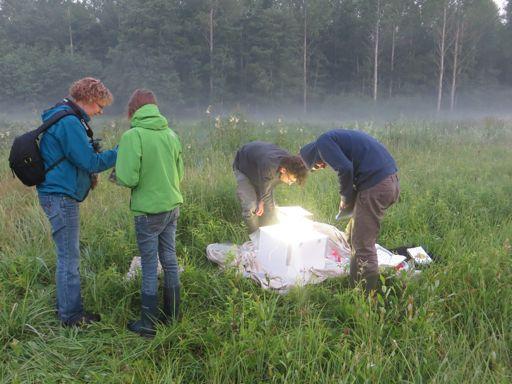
(68, 139)
(359, 159)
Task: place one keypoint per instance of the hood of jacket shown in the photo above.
(148, 117)
(310, 155)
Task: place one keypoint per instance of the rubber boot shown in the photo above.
(252, 223)
(371, 282)
(146, 325)
(172, 300)
(354, 272)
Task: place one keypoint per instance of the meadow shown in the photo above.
(450, 324)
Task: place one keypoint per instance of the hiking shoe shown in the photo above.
(81, 320)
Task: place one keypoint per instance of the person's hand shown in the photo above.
(112, 177)
(261, 209)
(94, 180)
(345, 210)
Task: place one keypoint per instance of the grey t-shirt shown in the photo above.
(259, 161)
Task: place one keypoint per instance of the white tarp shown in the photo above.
(337, 260)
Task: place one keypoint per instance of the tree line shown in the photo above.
(255, 52)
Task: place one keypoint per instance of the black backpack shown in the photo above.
(25, 159)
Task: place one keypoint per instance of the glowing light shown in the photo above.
(293, 246)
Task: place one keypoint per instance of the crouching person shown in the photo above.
(72, 164)
(150, 163)
(259, 167)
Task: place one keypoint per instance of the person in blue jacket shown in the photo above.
(369, 185)
(72, 163)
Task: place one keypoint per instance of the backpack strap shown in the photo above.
(53, 120)
(78, 112)
(46, 125)
(75, 111)
(54, 164)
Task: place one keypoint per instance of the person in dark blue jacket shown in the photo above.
(73, 165)
(369, 185)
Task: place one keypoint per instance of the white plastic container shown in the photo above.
(289, 250)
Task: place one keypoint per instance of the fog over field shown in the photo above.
(315, 60)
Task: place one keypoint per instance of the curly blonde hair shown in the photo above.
(90, 90)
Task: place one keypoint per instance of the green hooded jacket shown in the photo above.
(149, 161)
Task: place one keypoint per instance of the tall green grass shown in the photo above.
(450, 324)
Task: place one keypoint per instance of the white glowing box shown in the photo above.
(289, 248)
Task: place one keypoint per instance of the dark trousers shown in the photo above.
(364, 227)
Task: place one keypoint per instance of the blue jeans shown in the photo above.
(156, 237)
(64, 216)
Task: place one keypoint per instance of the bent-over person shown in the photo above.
(259, 167)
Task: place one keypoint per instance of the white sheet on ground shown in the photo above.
(337, 260)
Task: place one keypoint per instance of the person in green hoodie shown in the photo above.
(150, 162)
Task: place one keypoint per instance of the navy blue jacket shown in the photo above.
(68, 139)
(359, 159)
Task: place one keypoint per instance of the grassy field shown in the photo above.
(450, 324)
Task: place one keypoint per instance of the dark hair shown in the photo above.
(295, 166)
(139, 98)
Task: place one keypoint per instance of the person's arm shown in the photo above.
(78, 150)
(179, 161)
(129, 159)
(264, 180)
(333, 156)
